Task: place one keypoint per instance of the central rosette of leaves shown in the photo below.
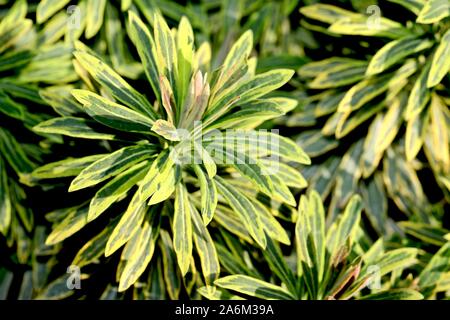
(175, 165)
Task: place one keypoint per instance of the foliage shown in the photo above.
(148, 149)
(338, 262)
(149, 163)
(399, 93)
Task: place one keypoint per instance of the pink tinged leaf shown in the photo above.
(167, 97)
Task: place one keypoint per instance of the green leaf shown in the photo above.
(244, 209)
(209, 196)
(5, 200)
(248, 91)
(290, 176)
(415, 132)
(375, 202)
(52, 64)
(363, 26)
(232, 263)
(125, 4)
(340, 76)
(316, 222)
(307, 263)
(156, 288)
(394, 294)
(166, 130)
(145, 45)
(69, 167)
(440, 66)
(115, 189)
(301, 235)
(111, 165)
(384, 133)
(166, 185)
(206, 250)
(93, 249)
(29, 92)
(112, 114)
(129, 223)
(247, 167)
(57, 289)
(95, 12)
(315, 143)
(414, 6)
(14, 154)
(282, 60)
(438, 132)
(143, 253)
(237, 55)
(424, 232)
(73, 222)
(16, 13)
(12, 35)
(54, 29)
(157, 175)
(61, 100)
(278, 265)
(182, 228)
(121, 57)
(15, 59)
(166, 50)
(434, 11)
(348, 173)
(312, 69)
(436, 268)
(394, 52)
(325, 13)
(349, 223)
(72, 127)
(114, 83)
(270, 224)
(171, 273)
(259, 143)
(185, 46)
(420, 95)
(11, 108)
(255, 113)
(47, 8)
(230, 221)
(207, 160)
(6, 278)
(234, 67)
(395, 260)
(281, 192)
(366, 90)
(218, 294)
(254, 287)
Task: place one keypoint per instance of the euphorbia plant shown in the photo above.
(27, 60)
(377, 99)
(335, 262)
(151, 143)
(22, 65)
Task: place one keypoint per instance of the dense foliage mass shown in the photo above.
(214, 149)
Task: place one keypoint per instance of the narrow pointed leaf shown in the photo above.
(182, 229)
(254, 287)
(111, 165)
(112, 114)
